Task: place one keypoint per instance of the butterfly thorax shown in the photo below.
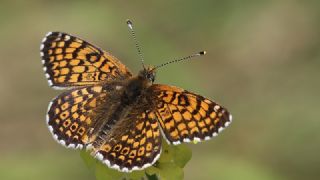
(137, 85)
(126, 95)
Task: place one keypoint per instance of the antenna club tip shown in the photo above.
(201, 53)
(129, 22)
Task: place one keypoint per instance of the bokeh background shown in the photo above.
(263, 64)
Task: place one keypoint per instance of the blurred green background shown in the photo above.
(262, 63)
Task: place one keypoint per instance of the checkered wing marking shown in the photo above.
(69, 115)
(187, 117)
(134, 143)
(71, 61)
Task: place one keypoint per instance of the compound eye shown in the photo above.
(150, 77)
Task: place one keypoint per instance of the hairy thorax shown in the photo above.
(123, 96)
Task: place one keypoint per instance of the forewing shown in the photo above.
(71, 61)
(187, 117)
(70, 115)
(133, 144)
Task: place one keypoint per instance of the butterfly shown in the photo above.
(120, 118)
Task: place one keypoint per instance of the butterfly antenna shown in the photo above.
(130, 25)
(201, 53)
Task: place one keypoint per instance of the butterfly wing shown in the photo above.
(133, 144)
(185, 116)
(71, 61)
(70, 117)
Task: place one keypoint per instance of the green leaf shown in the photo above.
(172, 160)
(167, 153)
(179, 154)
(152, 177)
(135, 175)
(87, 158)
(182, 155)
(103, 172)
(170, 171)
(152, 170)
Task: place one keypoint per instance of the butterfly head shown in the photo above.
(148, 73)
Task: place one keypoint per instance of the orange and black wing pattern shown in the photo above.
(187, 117)
(133, 144)
(70, 116)
(70, 61)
